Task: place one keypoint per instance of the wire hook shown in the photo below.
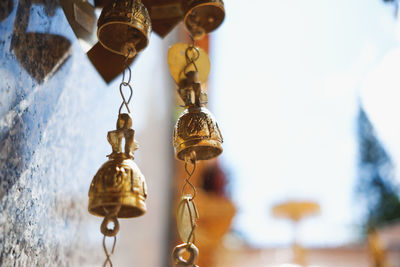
(191, 159)
(108, 260)
(124, 102)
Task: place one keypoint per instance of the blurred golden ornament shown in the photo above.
(216, 222)
(296, 210)
(377, 250)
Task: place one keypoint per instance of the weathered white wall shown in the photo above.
(53, 131)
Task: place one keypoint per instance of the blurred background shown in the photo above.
(305, 94)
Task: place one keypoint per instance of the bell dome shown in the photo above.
(118, 182)
(196, 130)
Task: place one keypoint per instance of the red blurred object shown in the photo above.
(214, 179)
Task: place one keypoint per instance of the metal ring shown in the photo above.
(107, 231)
(191, 249)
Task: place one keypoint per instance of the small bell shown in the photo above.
(196, 129)
(124, 27)
(119, 186)
(203, 16)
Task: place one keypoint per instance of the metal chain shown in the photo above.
(190, 173)
(192, 54)
(111, 216)
(126, 83)
(193, 217)
(108, 254)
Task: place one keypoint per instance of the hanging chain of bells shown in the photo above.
(118, 189)
(196, 133)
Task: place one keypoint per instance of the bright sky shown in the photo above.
(286, 76)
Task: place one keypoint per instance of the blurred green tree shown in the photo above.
(375, 178)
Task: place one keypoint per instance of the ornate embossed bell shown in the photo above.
(124, 27)
(203, 16)
(196, 129)
(119, 186)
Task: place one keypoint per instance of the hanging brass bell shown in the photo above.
(203, 16)
(196, 129)
(119, 185)
(124, 27)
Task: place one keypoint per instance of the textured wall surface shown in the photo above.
(55, 111)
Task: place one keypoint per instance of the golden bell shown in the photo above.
(196, 130)
(124, 27)
(119, 185)
(203, 16)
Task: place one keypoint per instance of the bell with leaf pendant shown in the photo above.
(196, 129)
(119, 186)
(124, 27)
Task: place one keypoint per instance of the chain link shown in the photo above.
(126, 83)
(108, 254)
(192, 54)
(190, 173)
(110, 217)
(191, 159)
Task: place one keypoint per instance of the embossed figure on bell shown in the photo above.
(203, 16)
(196, 129)
(119, 185)
(124, 27)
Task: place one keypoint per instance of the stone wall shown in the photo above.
(55, 111)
